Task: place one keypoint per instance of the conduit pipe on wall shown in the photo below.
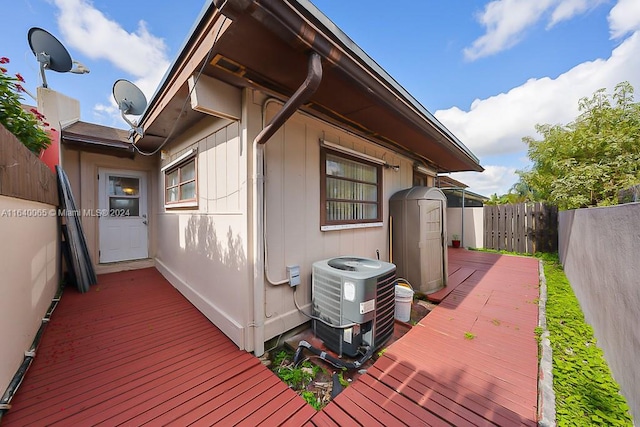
(264, 206)
(29, 356)
(301, 95)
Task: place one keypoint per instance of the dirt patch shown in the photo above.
(316, 380)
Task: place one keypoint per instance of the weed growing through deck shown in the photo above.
(312, 382)
(586, 393)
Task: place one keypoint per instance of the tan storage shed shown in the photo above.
(418, 236)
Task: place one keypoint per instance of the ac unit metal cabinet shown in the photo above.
(418, 236)
(348, 290)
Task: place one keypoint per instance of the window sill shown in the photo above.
(350, 226)
(181, 205)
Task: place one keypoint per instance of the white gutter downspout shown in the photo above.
(308, 88)
(462, 225)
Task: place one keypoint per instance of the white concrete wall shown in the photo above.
(203, 251)
(30, 276)
(473, 226)
(600, 251)
(292, 197)
(58, 109)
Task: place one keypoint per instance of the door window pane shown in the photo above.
(124, 206)
(123, 186)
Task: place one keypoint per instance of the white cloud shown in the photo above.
(567, 9)
(494, 179)
(138, 53)
(507, 20)
(624, 18)
(497, 124)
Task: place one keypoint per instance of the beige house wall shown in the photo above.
(473, 226)
(30, 276)
(82, 168)
(213, 253)
(203, 251)
(599, 249)
(293, 236)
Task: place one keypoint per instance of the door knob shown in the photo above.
(144, 222)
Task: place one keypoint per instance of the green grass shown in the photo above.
(586, 393)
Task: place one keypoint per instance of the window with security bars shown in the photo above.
(351, 190)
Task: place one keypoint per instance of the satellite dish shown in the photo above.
(50, 53)
(130, 100)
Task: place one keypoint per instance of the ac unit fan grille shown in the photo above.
(327, 296)
(385, 306)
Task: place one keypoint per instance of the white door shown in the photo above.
(123, 222)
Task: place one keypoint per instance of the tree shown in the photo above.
(520, 192)
(586, 162)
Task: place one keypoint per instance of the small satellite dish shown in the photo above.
(50, 53)
(130, 100)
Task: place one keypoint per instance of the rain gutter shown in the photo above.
(345, 54)
(300, 96)
(308, 87)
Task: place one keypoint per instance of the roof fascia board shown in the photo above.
(194, 48)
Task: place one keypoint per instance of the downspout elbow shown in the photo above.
(304, 92)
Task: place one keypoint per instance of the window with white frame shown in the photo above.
(181, 184)
(350, 190)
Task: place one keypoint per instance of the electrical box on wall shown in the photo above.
(293, 273)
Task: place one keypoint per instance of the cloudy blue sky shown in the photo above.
(488, 70)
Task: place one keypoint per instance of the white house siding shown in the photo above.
(292, 197)
(203, 251)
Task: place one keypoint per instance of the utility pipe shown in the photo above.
(301, 95)
(29, 356)
(462, 221)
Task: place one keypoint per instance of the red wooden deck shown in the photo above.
(133, 351)
(471, 361)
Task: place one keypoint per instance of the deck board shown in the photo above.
(487, 378)
(133, 351)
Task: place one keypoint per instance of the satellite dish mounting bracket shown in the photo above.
(130, 100)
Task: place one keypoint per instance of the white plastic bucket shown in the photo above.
(404, 298)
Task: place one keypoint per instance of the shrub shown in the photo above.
(25, 125)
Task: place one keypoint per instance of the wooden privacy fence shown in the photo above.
(22, 173)
(523, 228)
